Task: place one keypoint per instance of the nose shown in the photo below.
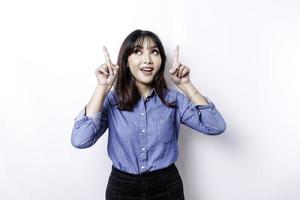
(147, 59)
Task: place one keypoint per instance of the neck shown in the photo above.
(144, 90)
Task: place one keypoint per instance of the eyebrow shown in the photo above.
(140, 47)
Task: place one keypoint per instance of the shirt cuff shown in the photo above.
(210, 105)
(82, 115)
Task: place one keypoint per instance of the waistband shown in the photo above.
(147, 173)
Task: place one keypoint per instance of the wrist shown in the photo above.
(185, 87)
(103, 89)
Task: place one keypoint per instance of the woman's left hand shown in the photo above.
(180, 74)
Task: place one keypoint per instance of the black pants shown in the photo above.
(162, 184)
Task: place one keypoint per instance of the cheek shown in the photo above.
(133, 61)
(133, 65)
(158, 63)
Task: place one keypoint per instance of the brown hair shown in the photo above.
(128, 94)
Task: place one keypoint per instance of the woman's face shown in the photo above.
(144, 62)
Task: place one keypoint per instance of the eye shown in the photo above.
(137, 51)
(156, 52)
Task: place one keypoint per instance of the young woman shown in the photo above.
(143, 118)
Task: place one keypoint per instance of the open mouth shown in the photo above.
(146, 69)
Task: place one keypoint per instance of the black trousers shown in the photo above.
(162, 184)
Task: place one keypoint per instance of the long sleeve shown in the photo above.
(203, 118)
(88, 129)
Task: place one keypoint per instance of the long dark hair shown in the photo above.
(128, 94)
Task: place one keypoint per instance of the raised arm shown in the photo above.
(195, 110)
(92, 121)
(106, 75)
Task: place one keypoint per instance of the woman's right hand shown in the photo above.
(107, 72)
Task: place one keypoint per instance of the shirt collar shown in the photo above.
(152, 92)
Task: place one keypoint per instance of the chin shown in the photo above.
(145, 82)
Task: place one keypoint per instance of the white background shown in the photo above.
(244, 56)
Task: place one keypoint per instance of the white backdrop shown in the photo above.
(244, 56)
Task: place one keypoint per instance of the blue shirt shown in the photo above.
(146, 138)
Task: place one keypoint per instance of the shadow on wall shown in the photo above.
(193, 146)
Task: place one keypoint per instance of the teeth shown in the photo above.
(146, 69)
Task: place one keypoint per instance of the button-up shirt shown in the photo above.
(146, 138)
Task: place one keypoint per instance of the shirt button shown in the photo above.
(143, 149)
(143, 130)
(142, 113)
(143, 167)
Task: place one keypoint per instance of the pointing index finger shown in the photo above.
(176, 56)
(106, 55)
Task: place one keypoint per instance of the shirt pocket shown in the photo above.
(165, 130)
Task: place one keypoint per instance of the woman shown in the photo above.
(143, 117)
